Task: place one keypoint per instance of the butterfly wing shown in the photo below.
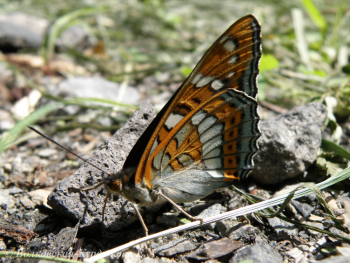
(213, 146)
(187, 139)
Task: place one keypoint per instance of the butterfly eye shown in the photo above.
(115, 186)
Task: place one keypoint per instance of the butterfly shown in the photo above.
(205, 137)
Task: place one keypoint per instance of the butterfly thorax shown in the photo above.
(120, 184)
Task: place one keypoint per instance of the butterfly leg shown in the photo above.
(192, 218)
(140, 218)
(147, 248)
(103, 216)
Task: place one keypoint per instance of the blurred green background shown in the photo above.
(306, 49)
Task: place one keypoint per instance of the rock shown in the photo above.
(303, 208)
(6, 120)
(314, 232)
(131, 257)
(156, 260)
(94, 87)
(215, 249)
(7, 201)
(295, 253)
(260, 252)
(65, 239)
(39, 197)
(289, 143)
(2, 245)
(19, 30)
(172, 248)
(168, 220)
(226, 226)
(26, 105)
(87, 205)
(245, 232)
(213, 210)
(335, 259)
(283, 229)
(47, 152)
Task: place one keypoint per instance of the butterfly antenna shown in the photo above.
(43, 135)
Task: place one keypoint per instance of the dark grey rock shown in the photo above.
(87, 205)
(314, 232)
(260, 252)
(168, 220)
(336, 231)
(172, 248)
(225, 227)
(303, 208)
(215, 249)
(245, 232)
(328, 223)
(282, 228)
(289, 143)
(213, 210)
(65, 239)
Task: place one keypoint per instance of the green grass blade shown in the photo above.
(315, 15)
(330, 146)
(61, 23)
(9, 137)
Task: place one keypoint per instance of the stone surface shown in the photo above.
(289, 143)
(260, 252)
(244, 232)
(282, 228)
(172, 248)
(94, 87)
(168, 220)
(225, 227)
(215, 249)
(303, 208)
(213, 210)
(87, 206)
(20, 30)
(314, 224)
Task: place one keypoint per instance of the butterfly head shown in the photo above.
(119, 182)
(122, 183)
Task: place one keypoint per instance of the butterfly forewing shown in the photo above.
(201, 124)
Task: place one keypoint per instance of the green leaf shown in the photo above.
(315, 15)
(268, 62)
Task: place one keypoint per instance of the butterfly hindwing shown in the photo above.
(220, 138)
(216, 148)
(210, 124)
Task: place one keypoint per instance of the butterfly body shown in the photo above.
(206, 135)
